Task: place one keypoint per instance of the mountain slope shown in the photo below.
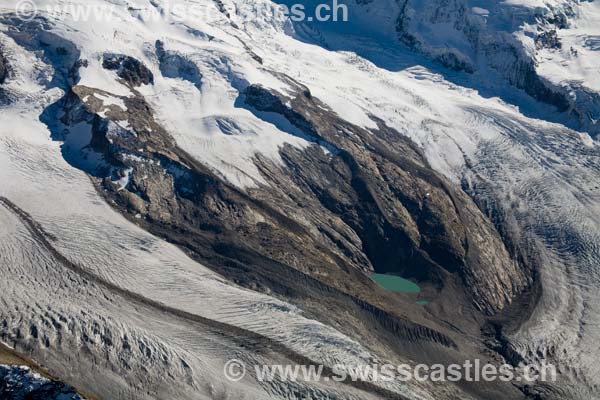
(249, 195)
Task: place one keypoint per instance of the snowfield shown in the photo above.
(83, 286)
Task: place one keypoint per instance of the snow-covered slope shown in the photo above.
(149, 321)
(546, 48)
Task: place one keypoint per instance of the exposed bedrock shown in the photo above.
(409, 219)
(355, 201)
(360, 199)
(352, 201)
(20, 383)
(131, 70)
(3, 67)
(175, 65)
(5, 97)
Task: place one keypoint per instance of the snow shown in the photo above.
(357, 69)
(93, 235)
(108, 101)
(124, 180)
(481, 11)
(582, 37)
(94, 76)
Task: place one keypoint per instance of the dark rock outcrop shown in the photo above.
(521, 72)
(3, 68)
(5, 96)
(131, 70)
(372, 203)
(20, 383)
(548, 39)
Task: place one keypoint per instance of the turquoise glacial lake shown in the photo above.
(396, 283)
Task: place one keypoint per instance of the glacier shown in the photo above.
(93, 290)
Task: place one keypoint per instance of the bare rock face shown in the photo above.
(5, 97)
(410, 220)
(3, 68)
(129, 69)
(20, 383)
